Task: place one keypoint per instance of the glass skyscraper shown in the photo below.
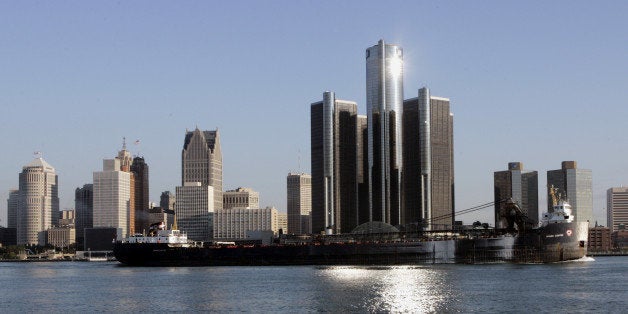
(384, 100)
(575, 186)
(335, 164)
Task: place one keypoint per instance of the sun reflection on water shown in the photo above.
(394, 289)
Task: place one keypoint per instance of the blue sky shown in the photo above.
(537, 82)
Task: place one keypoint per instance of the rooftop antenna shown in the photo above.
(137, 144)
(38, 154)
(123, 143)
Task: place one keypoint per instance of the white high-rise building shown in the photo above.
(38, 206)
(112, 197)
(194, 210)
(299, 191)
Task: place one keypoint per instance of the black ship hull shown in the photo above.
(553, 243)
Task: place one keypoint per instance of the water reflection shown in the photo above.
(396, 289)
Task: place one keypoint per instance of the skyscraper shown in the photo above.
(384, 99)
(201, 161)
(13, 203)
(334, 149)
(38, 207)
(617, 207)
(195, 210)
(299, 191)
(139, 168)
(428, 162)
(126, 161)
(112, 198)
(575, 185)
(167, 200)
(84, 207)
(522, 186)
(363, 170)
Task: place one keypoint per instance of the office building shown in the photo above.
(299, 192)
(140, 192)
(617, 207)
(12, 207)
(574, 185)
(126, 161)
(234, 223)
(67, 218)
(240, 198)
(201, 161)
(38, 202)
(363, 170)
(334, 158)
(112, 198)
(61, 237)
(166, 202)
(157, 214)
(8, 236)
(282, 223)
(599, 239)
(384, 100)
(520, 186)
(84, 210)
(195, 210)
(428, 163)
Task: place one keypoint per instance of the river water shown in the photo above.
(597, 285)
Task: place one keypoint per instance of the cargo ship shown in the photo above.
(558, 238)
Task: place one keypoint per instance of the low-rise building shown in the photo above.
(234, 223)
(240, 198)
(61, 236)
(599, 239)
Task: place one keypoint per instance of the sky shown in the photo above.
(532, 81)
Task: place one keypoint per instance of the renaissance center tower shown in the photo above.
(384, 101)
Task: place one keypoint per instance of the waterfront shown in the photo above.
(588, 285)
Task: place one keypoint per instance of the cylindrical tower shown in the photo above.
(384, 100)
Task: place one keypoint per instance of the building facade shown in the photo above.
(240, 198)
(299, 192)
(195, 210)
(233, 224)
(38, 205)
(112, 198)
(13, 203)
(599, 239)
(84, 208)
(201, 161)
(167, 200)
(334, 158)
(384, 100)
(428, 163)
(617, 207)
(520, 186)
(61, 237)
(576, 186)
(139, 168)
(67, 218)
(282, 223)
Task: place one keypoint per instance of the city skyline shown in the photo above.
(549, 77)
